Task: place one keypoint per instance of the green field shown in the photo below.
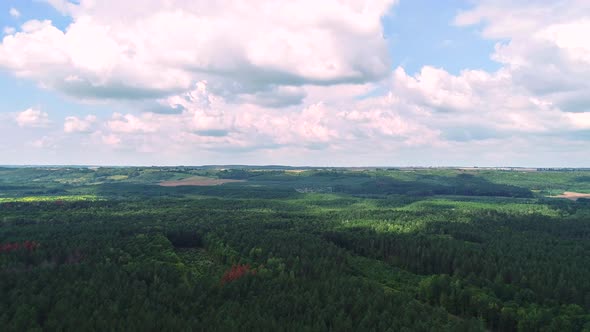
(312, 250)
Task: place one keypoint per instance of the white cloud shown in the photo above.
(32, 118)
(64, 6)
(317, 86)
(579, 120)
(8, 30)
(209, 122)
(45, 142)
(477, 105)
(547, 49)
(128, 123)
(111, 139)
(14, 12)
(431, 109)
(151, 49)
(74, 124)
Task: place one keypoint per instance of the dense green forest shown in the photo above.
(287, 249)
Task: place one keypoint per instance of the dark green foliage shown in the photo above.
(332, 250)
(462, 184)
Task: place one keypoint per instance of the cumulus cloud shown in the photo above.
(32, 117)
(546, 48)
(431, 108)
(129, 123)
(74, 124)
(260, 51)
(14, 12)
(478, 105)
(209, 122)
(317, 85)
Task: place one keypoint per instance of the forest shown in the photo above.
(293, 249)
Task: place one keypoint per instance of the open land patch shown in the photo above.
(198, 181)
(572, 195)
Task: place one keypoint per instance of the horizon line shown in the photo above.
(291, 166)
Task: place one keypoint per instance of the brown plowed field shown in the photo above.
(572, 195)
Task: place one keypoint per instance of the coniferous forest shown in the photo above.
(287, 249)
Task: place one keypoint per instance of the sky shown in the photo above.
(307, 82)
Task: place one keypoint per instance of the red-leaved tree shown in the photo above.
(236, 272)
(27, 245)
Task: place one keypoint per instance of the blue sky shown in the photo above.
(422, 32)
(25, 93)
(355, 83)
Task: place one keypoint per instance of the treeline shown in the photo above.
(463, 185)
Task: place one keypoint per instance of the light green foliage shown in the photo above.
(32, 199)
